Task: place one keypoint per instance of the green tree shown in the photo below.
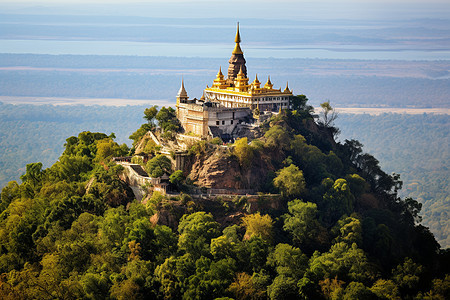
(277, 137)
(112, 227)
(95, 285)
(177, 178)
(10, 192)
(211, 279)
(167, 120)
(299, 102)
(288, 261)
(407, 275)
(243, 287)
(357, 184)
(256, 251)
(106, 186)
(328, 114)
(282, 288)
(440, 289)
(347, 263)
(150, 114)
(337, 199)
(348, 230)
(151, 147)
(243, 151)
(32, 179)
(358, 291)
(126, 289)
(141, 232)
(385, 289)
(302, 223)
(138, 134)
(71, 168)
(158, 165)
(196, 231)
(107, 148)
(332, 288)
(222, 247)
(257, 225)
(290, 181)
(314, 162)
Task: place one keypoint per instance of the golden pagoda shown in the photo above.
(230, 102)
(235, 90)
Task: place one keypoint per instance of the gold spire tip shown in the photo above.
(237, 39)
(237, 48)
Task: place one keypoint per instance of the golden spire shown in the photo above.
(219, 81)
(241, 73)
(286, 90)
(219, 75)
(237, 40)
(268, 84)
(256, 83)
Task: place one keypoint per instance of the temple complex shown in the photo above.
(229, 101)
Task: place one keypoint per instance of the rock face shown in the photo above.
(218, 169)
(247, 131)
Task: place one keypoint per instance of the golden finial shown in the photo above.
(286, 90)
(240, 71)
(237, 40)
(220, 72)
(256, 81)
(268, 84)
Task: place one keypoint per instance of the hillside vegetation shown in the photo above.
(30, 133)
(340, 230)
(415, 146)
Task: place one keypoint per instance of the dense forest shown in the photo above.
(30, 133)
(336, 228)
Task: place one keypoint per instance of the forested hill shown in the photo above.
(326, 223)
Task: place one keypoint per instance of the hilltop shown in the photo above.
(285, 213)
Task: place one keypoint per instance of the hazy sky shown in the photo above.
(254, 1)
(311, 9)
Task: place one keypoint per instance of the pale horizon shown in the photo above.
(283, 9)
